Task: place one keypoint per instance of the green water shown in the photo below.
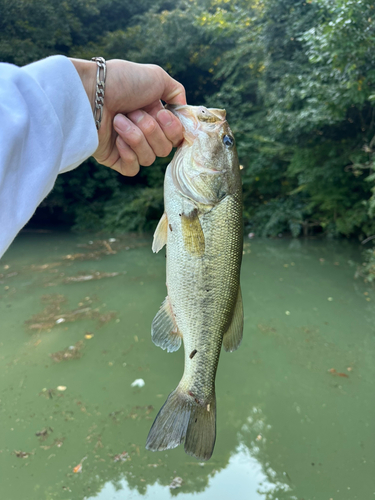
(295, 404)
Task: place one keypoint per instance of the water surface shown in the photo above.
(295, 403)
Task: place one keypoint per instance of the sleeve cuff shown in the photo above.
(71, 105)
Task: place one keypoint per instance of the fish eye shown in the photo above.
(228, 140)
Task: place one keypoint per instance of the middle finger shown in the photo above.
(134, 137)
(154, 135)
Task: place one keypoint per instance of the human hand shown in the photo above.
(135, 127)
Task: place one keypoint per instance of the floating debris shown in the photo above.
(139, 382)
(287, 313)
(57, 442)
(61, 387)
(332, 371)
(176, 483)
(88, 277)
(22, 454)
(100, 248)
(78, 468)
(89, 336)
(330, 299)
(53, 314)
(43, 267)
(266, 329)
(139, 412)
(43, 434)
(122, 457)
(71, 352)
(48, 393)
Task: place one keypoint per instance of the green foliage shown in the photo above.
(296, 77)
(367, 270)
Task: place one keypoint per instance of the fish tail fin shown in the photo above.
(185, 417)
(201, 431)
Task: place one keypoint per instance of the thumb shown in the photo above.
(174, 91)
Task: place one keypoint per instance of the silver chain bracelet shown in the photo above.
(101, 74)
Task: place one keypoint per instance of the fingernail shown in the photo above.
(121, 123)
(164, 117)
(137, 116)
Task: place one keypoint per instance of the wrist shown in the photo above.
(87, 72)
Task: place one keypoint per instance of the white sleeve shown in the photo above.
(46, 127)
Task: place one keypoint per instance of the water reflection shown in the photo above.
(243, 477)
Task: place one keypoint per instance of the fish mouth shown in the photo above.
(199, 113)
(197, 119)
(180, 110)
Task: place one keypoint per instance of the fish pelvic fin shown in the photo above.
(183, 417)
(233, 336)
(160, 234)
(164, 331)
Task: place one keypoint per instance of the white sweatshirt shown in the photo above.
(46, 128)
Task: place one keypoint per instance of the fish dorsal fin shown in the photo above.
(164, 331)
(192, 233)
(233, 336)
(160, 234)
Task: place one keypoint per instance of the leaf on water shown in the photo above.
(77, 468)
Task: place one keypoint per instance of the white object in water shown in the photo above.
(139, 382)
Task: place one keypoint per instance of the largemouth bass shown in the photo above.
(203, 231)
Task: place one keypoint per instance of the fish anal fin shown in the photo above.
(233, 336)
(164, 331)
(160, 234)
(192, 233)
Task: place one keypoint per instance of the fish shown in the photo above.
(202, 228)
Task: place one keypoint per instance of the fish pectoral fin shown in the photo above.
(164, 331)
(192, 233)
(233, 336)
(160, 234)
